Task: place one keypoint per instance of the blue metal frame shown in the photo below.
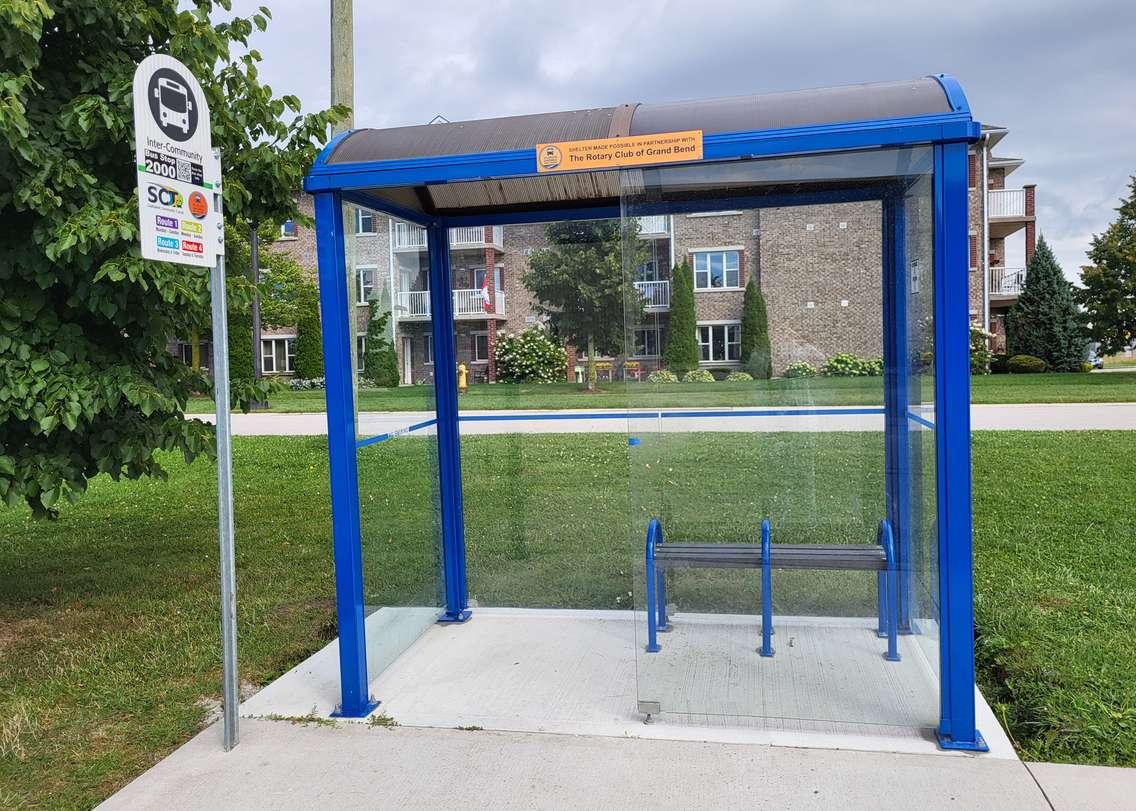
(654, 539)
(952, 443)
(766, 588)
(356, 701)
(890, 605)
(449, 443)
(948, 133)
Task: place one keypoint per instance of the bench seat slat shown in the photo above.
(784, 556)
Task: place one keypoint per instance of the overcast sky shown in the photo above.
(1059, 75)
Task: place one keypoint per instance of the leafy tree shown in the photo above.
(309, 340)
(1043, 321)
(757, 352)
(380, 361)
(579, 283)
(1109, 293)
(681, 353)
(86, 383)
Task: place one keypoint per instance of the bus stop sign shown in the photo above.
(177, 172)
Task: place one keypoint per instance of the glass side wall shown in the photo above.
(397, 452)
(544, 462)
(756, 327)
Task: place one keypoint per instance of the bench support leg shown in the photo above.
(881, 605)
(891, 601)
(766, 591)
(654, 536)
(661, 593)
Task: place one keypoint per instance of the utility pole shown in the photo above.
(343, 61)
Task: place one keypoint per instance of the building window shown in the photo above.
(364, 221)
(288, 230)
(360, 351)
(277, 355)
(715, 270)
(647, 272)
(205, 353)
(720, 343)
(647, 342)
(429, 348)
(364, 284)
(480, 347)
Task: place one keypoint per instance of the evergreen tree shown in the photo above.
(579, 283)
(380, 361)
(757, 353)
(1043, 321)
(681, 353)
(1109, 293)
(309, 342)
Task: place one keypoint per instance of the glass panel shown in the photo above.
(397, 455)
(802, 444)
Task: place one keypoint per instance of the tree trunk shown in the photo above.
(591, 363)
(254, 250)
(195, 351)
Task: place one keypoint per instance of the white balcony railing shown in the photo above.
(657, 294)
(654, 225)
(410, 237)
(1007, 281)
(416, 304)
(1006, 203)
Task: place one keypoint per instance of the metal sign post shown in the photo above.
(180, 221)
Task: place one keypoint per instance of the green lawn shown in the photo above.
(1049, 388)
(108, 617)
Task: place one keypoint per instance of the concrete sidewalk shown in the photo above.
(1045, 417)
(279, 764)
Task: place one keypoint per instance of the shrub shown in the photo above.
(979, 351)
(846, 365)
(1086, 366)
(999, 364)
(800, 369)
(309, 341)
(739, 377)
(662, 376)
(1026, 365)
(303, 384)
(698, 376)
(757, 353)
(681, 352)
(530, 356)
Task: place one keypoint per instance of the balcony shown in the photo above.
(657, 294)
(1006, 281)
(410, 237)
(414, 305)
(1008, 210)
(655, 226)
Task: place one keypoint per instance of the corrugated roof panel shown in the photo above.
(520, 191)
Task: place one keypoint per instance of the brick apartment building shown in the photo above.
(818, 267)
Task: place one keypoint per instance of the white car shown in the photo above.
(173, 103)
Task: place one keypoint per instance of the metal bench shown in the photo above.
(767, 557)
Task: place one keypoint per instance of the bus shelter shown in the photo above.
(794, 549)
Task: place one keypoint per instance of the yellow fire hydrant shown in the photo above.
(463, 378)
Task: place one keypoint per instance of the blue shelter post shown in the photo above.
(355, 701)
(897, 388)
(449, 448)
(952, 438)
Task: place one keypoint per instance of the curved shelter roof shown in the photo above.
(489, 165)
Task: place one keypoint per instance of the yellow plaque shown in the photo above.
(610, 153)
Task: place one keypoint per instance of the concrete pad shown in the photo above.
(583, 672)
(282, 765)
(1071, 788)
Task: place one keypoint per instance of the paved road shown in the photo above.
(283, 765)
(1053, 417)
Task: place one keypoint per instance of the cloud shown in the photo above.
(1058, 75)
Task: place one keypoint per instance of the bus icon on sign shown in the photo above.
(174, 104)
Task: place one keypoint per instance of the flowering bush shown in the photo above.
(845, 365)
(530, 356)
(980, 356)
(800, 369)
(698, 376)
(302, 384)
(739, 377)
(662, 376)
